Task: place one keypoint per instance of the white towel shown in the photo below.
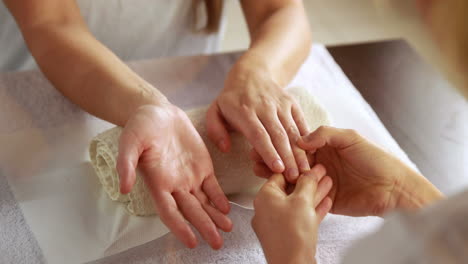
(233, 169)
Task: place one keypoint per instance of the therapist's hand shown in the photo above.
(255, 105)
(178, 171)
(287, 224)
(367, 179)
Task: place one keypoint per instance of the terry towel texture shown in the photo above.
(233, 169)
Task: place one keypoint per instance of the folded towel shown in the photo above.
(233, 169)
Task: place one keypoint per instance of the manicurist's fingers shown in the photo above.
(331, 136)
(306, 185)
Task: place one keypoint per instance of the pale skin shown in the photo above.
(293, 215)
(185, 188)
(366, 179)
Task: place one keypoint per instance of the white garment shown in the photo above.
(438, 234)
(132, 29)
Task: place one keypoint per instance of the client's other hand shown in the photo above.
(178, 171)
(367, 180)
(287, 225)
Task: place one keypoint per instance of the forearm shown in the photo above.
(280, 42)
(88, 73)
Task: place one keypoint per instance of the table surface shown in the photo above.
(422, 111)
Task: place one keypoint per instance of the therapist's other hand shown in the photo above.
(271, 120)
(287, 224)
(367, 179)
(178, 171)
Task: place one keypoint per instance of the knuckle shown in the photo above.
(244, 109)
(291, 130)
(300, 200)
(258, 133)
(266, 101)
(322, 129)
(309, 177)
(279, 133)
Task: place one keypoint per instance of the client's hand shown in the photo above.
(178, 171)
(254, 104)
(287, 225)
(367, 179)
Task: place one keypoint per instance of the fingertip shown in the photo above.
(328, 181)
(292, 174)
(304, 165)
(305, 143)
(277, 166)
(229, 226)
(223, 205)
(192, 243)
(224, 144)
(225, 225)
(278, 181)
(227, 207)
(318, 170)
(217, 243)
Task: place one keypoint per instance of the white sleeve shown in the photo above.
(437, 234)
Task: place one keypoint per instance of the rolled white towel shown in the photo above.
(233, 169)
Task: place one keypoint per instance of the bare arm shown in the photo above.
(254, 101)
(280, 36)
(94, 78)
(77, 64)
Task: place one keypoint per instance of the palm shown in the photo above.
(176, 157)
(362, 185)
(178, 171)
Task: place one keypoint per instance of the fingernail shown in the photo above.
(293, 173)
(304, 166)
(318, 169)
(278, 166)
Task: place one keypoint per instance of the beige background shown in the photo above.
(332, 22)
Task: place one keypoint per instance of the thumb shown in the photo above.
(216, 128)
(127, 160)
(275, 187)
(325, 135)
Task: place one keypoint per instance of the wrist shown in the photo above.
(414, 191)
(145, 95)
(252, 65)
(297, 256)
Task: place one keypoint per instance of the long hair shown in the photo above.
(213, 10)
